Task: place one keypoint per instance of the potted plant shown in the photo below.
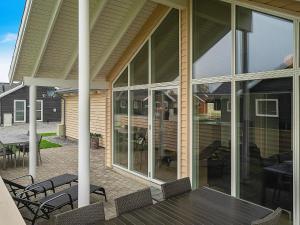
(95, 140)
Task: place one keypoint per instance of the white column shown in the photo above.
(32, 131)
(84, 106)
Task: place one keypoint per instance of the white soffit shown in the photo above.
(115, 23)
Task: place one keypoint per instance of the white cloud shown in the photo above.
(8, 37)
(4, 67)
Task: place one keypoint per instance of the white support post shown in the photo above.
(32, 131)
(84, 105)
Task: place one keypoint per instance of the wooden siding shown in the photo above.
(7, 104)
(97, 115)
(184, 93)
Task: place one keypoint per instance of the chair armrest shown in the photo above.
(56, 197)
(28, 175)
(31, 190)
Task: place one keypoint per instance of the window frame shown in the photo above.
(24, 110)
(41, 110)
(257, 101)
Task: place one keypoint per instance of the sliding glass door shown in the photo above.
(165, 134)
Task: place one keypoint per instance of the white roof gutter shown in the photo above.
(11, 90)
(19, 40)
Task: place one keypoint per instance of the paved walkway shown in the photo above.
(64, 160)
(23, 128)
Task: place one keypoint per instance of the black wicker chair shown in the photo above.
(133, 201)
(91, 214)
(271, 219)
(43, 207)
(7, 153)
(177, 187)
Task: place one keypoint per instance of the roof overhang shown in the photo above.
(46, 51)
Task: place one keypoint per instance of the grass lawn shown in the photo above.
(47, 144)
(48, 134)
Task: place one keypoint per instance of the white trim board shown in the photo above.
(12, 90)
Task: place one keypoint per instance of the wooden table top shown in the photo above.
(202, 206)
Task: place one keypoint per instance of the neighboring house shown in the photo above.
(14, 104)
(70, 113)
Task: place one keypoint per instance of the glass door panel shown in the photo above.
(139, 131)
(165, 134)
(120, 128)
(264, 136)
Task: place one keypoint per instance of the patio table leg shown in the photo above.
(23, 156)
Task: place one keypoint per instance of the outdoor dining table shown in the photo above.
(202, 206)
(20, 139)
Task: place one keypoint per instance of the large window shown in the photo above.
(165, 50)
(120, 134)
(211, 135)
(139, 67)
(243, 103)
(263, 42)
(147, 108)
(265, 142)
(212, 38)
(139, 130)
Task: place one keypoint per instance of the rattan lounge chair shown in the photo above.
(133, 201)
(40, 187)
(175, 188)
(91, 214)
(42, 208)
(271, 219)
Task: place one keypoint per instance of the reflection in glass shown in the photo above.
(139, 131)
(212, 38)
(263, 42)
(165, 49)
(211, 135)
(120, 122)
(264, 131)
(122, 81)
(165, 120)
(39, 108)
(139, 67)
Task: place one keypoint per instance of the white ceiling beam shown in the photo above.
(177, 4)
(117, 37)
(62, 83)
(74, 54)
(46, 38)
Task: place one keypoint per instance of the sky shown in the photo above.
(11, 15)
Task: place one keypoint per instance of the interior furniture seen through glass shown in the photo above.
(120, 121)
(139, 130)
(165, 144)
(212, 135)
(264, 131)
(212, 38)
(263, 42)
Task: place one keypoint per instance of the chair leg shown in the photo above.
(23, 158)
(15, 161)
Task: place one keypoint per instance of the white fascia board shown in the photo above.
(19, 40)
(117, 37)
(177, 4)
(62, 83)
(11, 90)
